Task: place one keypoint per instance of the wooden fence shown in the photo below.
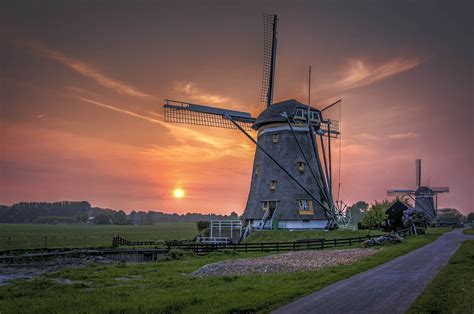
(316, 244)
(206, 248)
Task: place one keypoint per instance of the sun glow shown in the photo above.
(178, 193)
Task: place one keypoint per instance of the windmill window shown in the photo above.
(301, 167)
(257, 170)
(314, 116)
(273, 185)
(275, 138)
(265, 205)
(300, 114)
(305, 207)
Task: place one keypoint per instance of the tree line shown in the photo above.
(81, 212)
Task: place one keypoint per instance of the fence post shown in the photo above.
(294, 246)
(350, 241)
(322, 244)
(277, 247)
(261, 245)
(335, 242)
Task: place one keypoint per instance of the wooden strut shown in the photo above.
(281, 167)
(333, 220)
(318, 161)
(326, 172)
(318, 181)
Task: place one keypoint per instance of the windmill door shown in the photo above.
(272, 207)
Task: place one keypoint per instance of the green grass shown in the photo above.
(288, 236)
(468, 231)
(166, 287)
(452, 290)
(21, 236)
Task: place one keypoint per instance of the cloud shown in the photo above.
(41, 115)
(402, 136)
(197, 94)
(366, 136)
(359, 73)
(86, 70)
(177, 131)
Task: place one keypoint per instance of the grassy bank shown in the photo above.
(17, 236)
(167, 287)
(452, 290)
(289, 236)
(469, 231)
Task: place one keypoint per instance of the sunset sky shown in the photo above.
(82, 85)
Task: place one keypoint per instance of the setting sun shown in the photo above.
(178, 193)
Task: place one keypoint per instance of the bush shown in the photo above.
(202, 225)
(376, 215)
(178, 253)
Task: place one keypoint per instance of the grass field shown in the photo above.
(19, 236)
(452, 290)
(166, 287)
(468, 231)
(23, 236)
(288, 236)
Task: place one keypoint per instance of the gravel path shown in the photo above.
(286, 262)
(387, 288)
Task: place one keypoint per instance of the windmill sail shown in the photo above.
(398, 192)
(440, 189)
(187, 113)
(269, 57)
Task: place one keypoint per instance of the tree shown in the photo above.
(470, 217)
(120, 218)
(358, 211)
(376, 214)
(450, 215)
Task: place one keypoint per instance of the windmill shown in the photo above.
(425, 197)
(291, 185)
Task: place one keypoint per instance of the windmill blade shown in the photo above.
(269, 57)
(418, 172)
(440, 189)
(399, 192)
(187, 113)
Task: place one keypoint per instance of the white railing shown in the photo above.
(247, 231)
(264, 219)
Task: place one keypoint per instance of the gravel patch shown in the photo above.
(286, 262)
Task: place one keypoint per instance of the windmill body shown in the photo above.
(274, 200)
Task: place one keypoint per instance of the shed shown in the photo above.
(395, 215)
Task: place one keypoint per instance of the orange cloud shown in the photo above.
(359, 73)
(197, 94)
(403, 136)
(86, 70)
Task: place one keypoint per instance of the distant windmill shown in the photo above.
(425, 197)
(291, 180)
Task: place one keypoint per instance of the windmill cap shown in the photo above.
(424, 190)
(273, 114)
